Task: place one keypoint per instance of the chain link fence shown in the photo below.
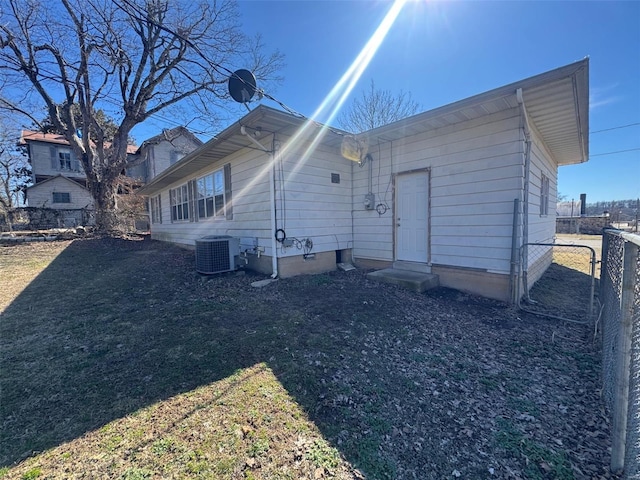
(560, 281)
(620, 317)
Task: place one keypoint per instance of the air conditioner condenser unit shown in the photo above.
(216, 254)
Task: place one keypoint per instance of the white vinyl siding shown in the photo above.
(308, 204)
(42, 194)
(541, 227)
(476, 172)
(251, 216)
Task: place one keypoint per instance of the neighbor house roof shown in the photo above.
(73, 182)
(169, 135)
(33, 136)
(29, 135)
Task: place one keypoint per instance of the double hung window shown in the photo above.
(179, 201)
(64, 158)
(156, 209)
(544, 195)
(210, 195)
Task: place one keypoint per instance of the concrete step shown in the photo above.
(416, 281)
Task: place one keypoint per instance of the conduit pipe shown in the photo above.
(272, 201)
(272, 195)
(525, 190)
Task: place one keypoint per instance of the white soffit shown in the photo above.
(557, 102)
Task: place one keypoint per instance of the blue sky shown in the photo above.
(442, 52)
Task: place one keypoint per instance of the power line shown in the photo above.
(612, 153)
(616, 128)
(216, 66)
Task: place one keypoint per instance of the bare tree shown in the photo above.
(14, 170)
(139, 57)
(375, 108)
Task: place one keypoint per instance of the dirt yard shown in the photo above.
(119, 361)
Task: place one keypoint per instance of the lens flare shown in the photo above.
(311, 132)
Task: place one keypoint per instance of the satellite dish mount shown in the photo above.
(355, 149)
(242, 86)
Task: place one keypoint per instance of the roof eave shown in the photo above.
(578, 72)
(159, 183)
(261, 116)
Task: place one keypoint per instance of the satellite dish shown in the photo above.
(242, 85)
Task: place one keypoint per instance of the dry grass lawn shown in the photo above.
(119, 361)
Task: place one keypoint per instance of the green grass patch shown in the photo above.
(322, 455)
(31, 474)
(540, 462)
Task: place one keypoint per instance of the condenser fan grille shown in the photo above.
(215, 254)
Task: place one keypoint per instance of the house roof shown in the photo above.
(169, 135)
(33, 136)
(54, 178)
(264, 119)
(30, 135)
(557, 103)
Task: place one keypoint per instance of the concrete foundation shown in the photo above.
(477, 282)
(320, 262)
(416, 281)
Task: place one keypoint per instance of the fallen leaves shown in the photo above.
(377, 382)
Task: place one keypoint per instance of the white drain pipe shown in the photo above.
(272, 201)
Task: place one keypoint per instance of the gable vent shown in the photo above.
(216, 254)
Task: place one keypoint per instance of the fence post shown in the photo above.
(603, 262)
(594, 259)
(621, 402)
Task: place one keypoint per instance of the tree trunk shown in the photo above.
(104, 195)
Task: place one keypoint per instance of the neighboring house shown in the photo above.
(158, 153)
(455, 191)
(50, 155)
(60, 192)
(71, 200)
(59, 181)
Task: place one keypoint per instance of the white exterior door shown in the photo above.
(412, 217)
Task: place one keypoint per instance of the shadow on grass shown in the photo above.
(102, 332)
(393, 379)
(112, 326)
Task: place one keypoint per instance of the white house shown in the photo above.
(59, 181)
(457, 191)
(158, 153)
(60, 192)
